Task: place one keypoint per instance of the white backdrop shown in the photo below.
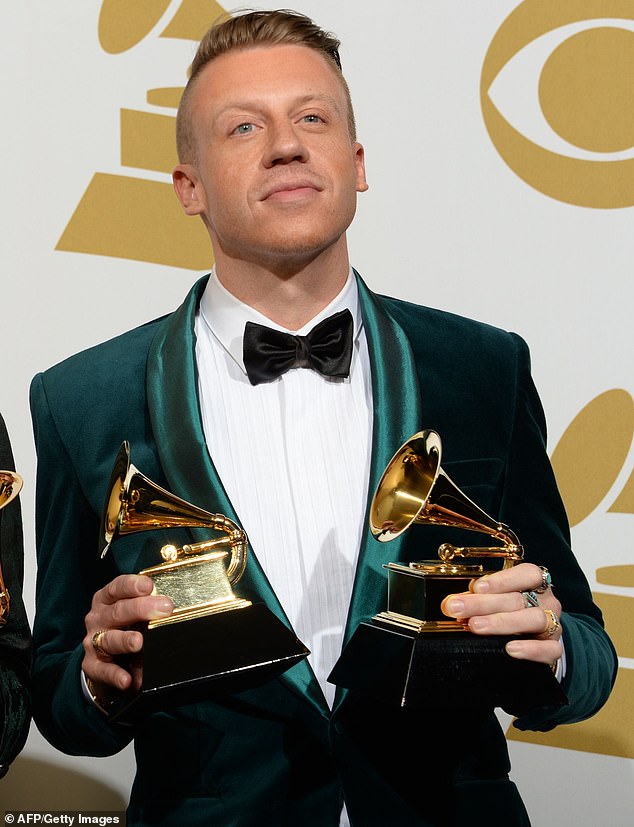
(446, 222)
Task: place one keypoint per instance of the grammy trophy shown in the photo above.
(412, 654)
(214, 641)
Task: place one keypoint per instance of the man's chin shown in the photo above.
(284, 250)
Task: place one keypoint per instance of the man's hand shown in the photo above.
(501, 604)
(123, 603)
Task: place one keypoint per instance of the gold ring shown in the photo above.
(96, 643)
(546, 582)
(552, 622)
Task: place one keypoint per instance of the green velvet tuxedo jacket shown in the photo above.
(276, 755)
(15, 635)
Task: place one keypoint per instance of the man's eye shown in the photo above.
(312, 119)
(243, 129)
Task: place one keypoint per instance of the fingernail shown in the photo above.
(481, 585)
(162, 607)
(479, 624)
(123, 682)
(454, 606)
(136, 642)
(145, 584)
(514, 648)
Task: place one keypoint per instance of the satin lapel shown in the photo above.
(172, 391)
(397, 415)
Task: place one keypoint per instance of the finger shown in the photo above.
(134, 610)
(127, 612)
(532, 621)
(123, 587)
(542, 651)
(521, 578)
(468, 605)
(109, 643)
(107, 673)
(101, 667)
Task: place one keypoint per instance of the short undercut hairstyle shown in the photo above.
(255, 28)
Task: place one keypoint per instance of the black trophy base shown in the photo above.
(213, 655)
(443, 671)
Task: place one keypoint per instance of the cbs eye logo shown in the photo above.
(557, 97)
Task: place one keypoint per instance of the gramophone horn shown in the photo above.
(134, 503)
(415, 489)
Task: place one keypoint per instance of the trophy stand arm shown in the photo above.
(513, 553)
(237, 542)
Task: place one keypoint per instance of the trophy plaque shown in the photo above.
(412, 654)
(214, 641)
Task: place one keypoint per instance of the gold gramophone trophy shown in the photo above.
(10, 485)
(214, 641)
(412, 654)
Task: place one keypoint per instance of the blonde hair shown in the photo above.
(255, 28)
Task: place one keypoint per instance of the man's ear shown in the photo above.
(188, 189)
(359, 162)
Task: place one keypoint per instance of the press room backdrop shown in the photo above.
(499, 139)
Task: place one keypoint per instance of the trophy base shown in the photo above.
(435, 670)
(212, 655)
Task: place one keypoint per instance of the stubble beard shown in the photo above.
(285, 251)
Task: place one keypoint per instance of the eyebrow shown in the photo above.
(256, 104)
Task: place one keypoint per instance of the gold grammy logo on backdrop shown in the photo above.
(582, 104)
(132, 216)
(591, 465)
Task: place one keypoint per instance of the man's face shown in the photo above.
(276, 172)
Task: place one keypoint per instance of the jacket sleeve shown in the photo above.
(15, 634)
(68, 576)
(533, 507)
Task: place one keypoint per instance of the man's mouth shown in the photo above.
(291, 191)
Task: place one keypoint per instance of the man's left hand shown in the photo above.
(503, 603)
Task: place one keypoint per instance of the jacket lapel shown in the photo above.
(172, 392)
(397, 416)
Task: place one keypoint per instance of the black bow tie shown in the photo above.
(327, 349)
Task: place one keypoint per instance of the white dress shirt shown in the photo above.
(294, 457)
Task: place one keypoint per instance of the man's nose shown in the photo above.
(285, 144)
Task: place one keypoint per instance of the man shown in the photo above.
(15, 635)
(270, 162)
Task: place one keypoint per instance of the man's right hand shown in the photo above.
(122, 604)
